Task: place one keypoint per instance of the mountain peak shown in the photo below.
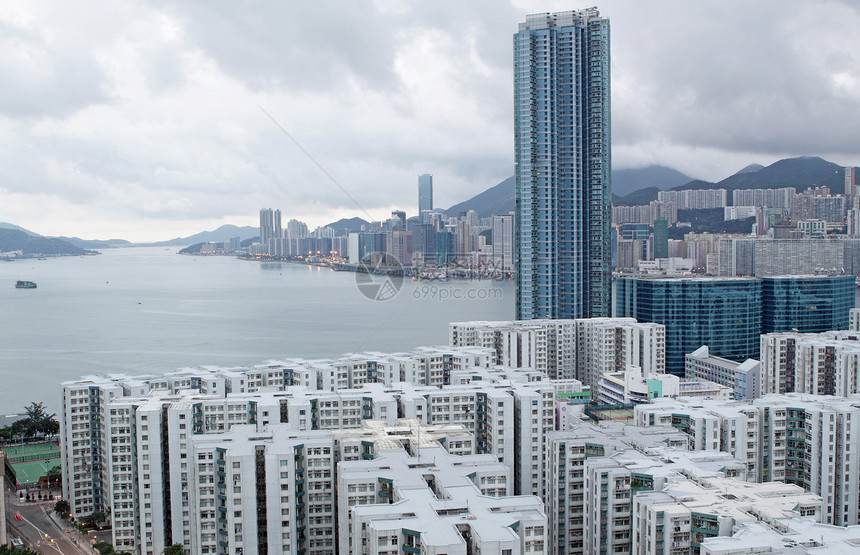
(660, 177)
(498, 199)
(752, 168)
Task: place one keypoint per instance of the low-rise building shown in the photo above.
(744, 378)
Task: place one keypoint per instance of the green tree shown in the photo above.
(6, 550)
(35, 411)
(62, 508)
(55, 475)
(38, 421)
(94, 520)
(174, 549)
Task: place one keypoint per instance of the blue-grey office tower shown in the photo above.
(425, 193)
(563, 165)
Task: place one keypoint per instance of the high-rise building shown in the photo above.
(581, 349)
(270, 225)
(425, 193)
(724, 314)
(799, 439)
(503, 242)
(399, 219)
(806, 303)
(697, 199)
(297, 229)
(661, 238)
(562, 165)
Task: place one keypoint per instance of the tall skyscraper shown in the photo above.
(851, 185)
(270, 225)
(661, 238)
(503, 244)
(563, 165)
(425, 193)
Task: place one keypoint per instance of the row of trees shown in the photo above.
(36, 423)
(8, 550)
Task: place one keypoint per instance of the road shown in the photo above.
(39, 531)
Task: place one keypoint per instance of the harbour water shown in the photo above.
(138, 310)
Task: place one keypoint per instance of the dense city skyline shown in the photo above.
(143, 121)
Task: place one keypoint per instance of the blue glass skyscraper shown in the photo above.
(722, 313)
(563, 165)
(808, 304)
(425, 193)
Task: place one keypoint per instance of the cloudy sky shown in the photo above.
(151, 120)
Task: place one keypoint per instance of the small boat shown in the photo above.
(21, 284)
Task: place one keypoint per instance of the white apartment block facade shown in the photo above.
(125, 438)
(818, 363)
(263, 491)
(84, 402)
(563, 349)
(435, 503)
(695, 199)
(801, 439)
(680, 517)
(547, 346)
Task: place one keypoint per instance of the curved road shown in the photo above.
(39, 531)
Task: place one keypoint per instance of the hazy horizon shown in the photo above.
(153, 120)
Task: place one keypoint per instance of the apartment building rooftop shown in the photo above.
(737, 501)
(435, 496)
(790, 536)
(407, 431)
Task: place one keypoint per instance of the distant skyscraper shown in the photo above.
(270, 225)
(851, 185)
(425, 193)
(661, 238)
(503, 244)
(563, 165)
(297, 229)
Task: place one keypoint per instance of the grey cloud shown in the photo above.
(755, 81)
(38, 79)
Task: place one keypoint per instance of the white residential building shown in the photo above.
(801, 439)
(509, 419)
(547, 346)
(593, 473)
(613, 344)
(819, 363)
(563, 349)
(262, 491)
(788, 536)
(685, 513)
(433, 503)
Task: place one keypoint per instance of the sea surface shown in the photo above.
(141, 310)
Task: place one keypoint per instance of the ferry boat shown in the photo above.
(21, 284)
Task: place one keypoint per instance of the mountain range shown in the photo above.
(32, 245)
(800, 173)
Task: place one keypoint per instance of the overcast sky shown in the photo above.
(147, 120)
